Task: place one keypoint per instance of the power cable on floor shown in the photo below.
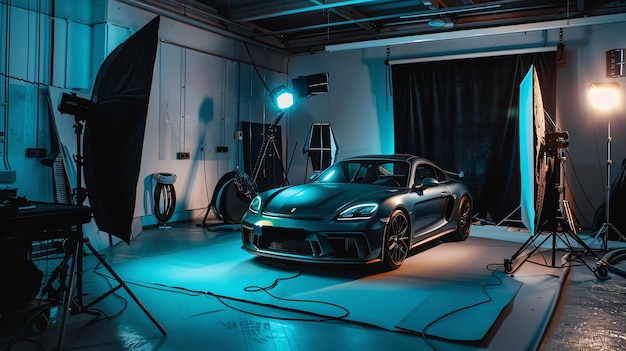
(613, 257)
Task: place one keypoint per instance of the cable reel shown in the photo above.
(164, 197)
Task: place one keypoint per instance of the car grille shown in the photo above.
(284, 240)
(300, 242)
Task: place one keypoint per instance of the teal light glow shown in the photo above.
(282, 97)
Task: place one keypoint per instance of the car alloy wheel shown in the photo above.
(396, 239)
(464, 221)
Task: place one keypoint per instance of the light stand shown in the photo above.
(270, 141)
(80, 108)
(560, 218)
(606, 226)
(604, 96)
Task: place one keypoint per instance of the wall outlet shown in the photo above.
(222, 149)
(182, 155)
(32, 152)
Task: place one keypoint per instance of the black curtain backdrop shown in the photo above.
(463, 115)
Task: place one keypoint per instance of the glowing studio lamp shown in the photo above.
(604, 96)
(282, 97)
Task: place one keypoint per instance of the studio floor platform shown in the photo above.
(208, 294)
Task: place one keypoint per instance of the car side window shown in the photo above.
(424, 171)
(441, 175)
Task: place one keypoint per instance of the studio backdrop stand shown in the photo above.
(559, 222)
(75, 248)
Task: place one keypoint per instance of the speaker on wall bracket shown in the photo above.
(615, 63)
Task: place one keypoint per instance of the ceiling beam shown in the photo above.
(481, 32)
(413, 14)
(272, 10)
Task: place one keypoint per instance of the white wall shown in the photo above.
(204, 86)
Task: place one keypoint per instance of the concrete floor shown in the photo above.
(590, 313)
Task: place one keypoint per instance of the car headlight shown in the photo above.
(361, 211)
(255, 205)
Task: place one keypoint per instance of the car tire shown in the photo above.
(464, 219)
(396, 240)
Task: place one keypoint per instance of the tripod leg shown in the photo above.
(123, 284)
(603, 231)
(67, 299)
(509, 263)
(601, 271)
(621, 236)
(285, 180)
(206, 215)
(260, 158)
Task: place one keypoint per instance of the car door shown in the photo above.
(430, 202)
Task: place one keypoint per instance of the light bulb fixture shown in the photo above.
(604, 96)
(282, 97)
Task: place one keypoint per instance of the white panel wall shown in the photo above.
(205, 77)
(23, 117)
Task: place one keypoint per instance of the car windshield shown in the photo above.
(368, 171)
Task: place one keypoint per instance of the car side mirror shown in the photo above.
(427, 182)
(314, 176)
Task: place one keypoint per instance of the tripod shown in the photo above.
(75, 253)
(270, 141)
(554, 223)
(559, 217)
(606, 226)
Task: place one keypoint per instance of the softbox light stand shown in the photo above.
(117, 108)
(73, 292)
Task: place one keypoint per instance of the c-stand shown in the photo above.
(73, 294)
(559, 221)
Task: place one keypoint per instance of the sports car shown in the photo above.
(366, 209)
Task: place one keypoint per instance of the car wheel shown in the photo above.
(396, 244)
(464, 219)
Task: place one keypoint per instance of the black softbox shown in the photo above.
(114, 130)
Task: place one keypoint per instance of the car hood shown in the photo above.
(318, 200)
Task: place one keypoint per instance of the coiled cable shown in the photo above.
(164, 196)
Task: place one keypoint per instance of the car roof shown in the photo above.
(391, 157)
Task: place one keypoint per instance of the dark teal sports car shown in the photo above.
(366, 209)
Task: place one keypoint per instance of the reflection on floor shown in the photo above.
(208, 294)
